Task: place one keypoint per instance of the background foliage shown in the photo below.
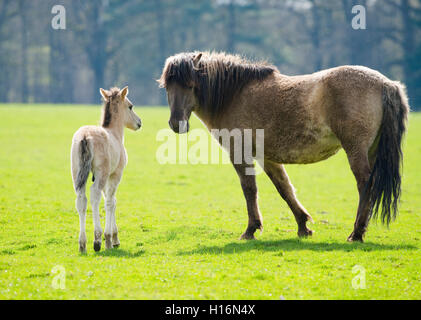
(119, 42)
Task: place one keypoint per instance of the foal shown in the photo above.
(101, 150)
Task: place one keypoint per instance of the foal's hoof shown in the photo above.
(304, 233)
(116, 242)
(82, 248)
(97, 245)
(108, 244)
(355, 238)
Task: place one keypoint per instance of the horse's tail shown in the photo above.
(384, 185)
(85, 164)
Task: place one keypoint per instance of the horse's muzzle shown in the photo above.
(177, 126)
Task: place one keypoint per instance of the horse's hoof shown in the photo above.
(97, 245)
(305, 233)
(355, 238)
(247, 236)
(309, 218)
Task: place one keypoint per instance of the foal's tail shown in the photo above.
(85, 164)
(384, 185)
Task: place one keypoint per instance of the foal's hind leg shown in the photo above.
(360, 166)
(96, 189)
(81, 205)
(248, 184)
(111, 232)
(279, 177)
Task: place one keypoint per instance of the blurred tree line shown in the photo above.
(125, 42)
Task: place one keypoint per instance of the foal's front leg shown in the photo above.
(248, 184)
(111, 231)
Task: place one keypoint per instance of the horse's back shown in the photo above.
(304, 116)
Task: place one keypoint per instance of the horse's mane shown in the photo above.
(216, 79)
(106, 111)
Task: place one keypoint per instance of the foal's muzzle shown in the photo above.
(178, 126)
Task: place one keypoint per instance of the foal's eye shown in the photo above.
(130, 107)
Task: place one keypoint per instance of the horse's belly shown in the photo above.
(308, 146)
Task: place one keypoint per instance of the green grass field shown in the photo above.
(179, 224)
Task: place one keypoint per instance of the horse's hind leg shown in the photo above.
(276, 172)
(96, 189)
(248, 184)
(360, 166)
(81, 206)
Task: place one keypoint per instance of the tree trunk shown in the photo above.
(408, 45)
(160, 35)
(231, 26)
(315, 37)
(24, 51)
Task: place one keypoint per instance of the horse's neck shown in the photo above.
(204, 119)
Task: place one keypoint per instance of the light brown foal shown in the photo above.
(100, 150)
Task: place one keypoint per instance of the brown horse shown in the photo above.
(305, 119)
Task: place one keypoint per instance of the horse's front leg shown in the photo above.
(111, 231)
(276, 172)
(248, 184)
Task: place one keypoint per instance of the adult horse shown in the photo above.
(305, 118)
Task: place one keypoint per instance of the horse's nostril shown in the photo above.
(173, 125)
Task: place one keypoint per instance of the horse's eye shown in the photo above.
(130, 107)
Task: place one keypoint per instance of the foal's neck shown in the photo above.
(116, 129)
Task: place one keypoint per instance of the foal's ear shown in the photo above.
(104, 93)
(196, 60)
(124, 92)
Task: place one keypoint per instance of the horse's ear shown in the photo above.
(196, 60)
(104, 93)
(124, 92)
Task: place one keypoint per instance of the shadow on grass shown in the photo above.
(118, 253)
(293, 245)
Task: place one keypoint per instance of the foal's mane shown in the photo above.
(216, 78)
(106, 111)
